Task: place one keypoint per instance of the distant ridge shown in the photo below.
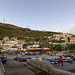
(8, 25)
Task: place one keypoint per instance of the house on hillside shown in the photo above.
(30, 46)
(4, 46)
(20, 44)
(6, 39)
(66, 41)
(72, 40)
(57, 38)
(13, 39)
(67, 35)
(36, 45)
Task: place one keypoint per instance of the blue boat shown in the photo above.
(3, 60)
(70, 62)
(53, 60)
(16, 58)
(37, 57)
(41, 58)
(28, 58)
(21, 59)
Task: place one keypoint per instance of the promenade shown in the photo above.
(17, 68)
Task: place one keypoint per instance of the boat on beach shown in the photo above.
(3, 59)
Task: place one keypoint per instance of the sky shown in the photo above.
(49, 15)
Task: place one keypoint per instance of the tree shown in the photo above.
(58, 47)
(68, 39)
(37, 39)
(70, 47)
(24, 45)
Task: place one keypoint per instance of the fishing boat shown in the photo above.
(53, 61)
(42, 59)
(3, 59)
(20, 58)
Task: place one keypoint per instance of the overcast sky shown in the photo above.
(50, 15)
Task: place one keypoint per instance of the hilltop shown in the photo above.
(8, 25)
(23, 33)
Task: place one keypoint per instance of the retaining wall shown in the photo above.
(48, 67)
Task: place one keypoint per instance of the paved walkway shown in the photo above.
(16, 68)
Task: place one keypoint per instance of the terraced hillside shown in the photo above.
(22, 33)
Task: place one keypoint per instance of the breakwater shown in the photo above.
(48, 67)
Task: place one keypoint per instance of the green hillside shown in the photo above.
(22, 33)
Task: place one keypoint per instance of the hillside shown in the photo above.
(8, 25)
(22, 33)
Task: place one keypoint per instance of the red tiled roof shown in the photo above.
(22, 40)
(5, 45)
(70, 34)
(72, 38)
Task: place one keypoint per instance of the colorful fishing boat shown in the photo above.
(20, 58)
(3, 59)
(53, 61)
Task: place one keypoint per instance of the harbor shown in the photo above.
(37, 37)
(22, 66)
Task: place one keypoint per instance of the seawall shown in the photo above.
(48, 67)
